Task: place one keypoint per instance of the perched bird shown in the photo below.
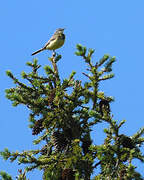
(55, 42)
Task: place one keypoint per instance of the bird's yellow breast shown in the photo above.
(56, 43)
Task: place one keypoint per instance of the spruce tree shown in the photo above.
(62, 116)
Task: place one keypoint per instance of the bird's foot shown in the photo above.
(54, 54)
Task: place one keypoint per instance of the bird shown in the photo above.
(55, 42)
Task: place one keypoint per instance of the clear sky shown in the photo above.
(108, 26)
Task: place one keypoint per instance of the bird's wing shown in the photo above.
(51, 39)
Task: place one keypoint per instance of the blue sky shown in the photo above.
(113, 27)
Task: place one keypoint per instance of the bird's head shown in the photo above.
(60, 31)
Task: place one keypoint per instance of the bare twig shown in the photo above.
(86, 75)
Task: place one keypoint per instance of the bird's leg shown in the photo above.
(54, 53)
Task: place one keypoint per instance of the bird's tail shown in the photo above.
(37, 51)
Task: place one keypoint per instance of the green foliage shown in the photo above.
(5, 176)
(62, 116)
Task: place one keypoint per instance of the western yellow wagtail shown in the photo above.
(55, 42)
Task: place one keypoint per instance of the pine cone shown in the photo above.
(51, 97)
(85, 145)
(44, 150)
(38, 127)
(68, 174)
(104, 106)
(126, 141)
(59, 141)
